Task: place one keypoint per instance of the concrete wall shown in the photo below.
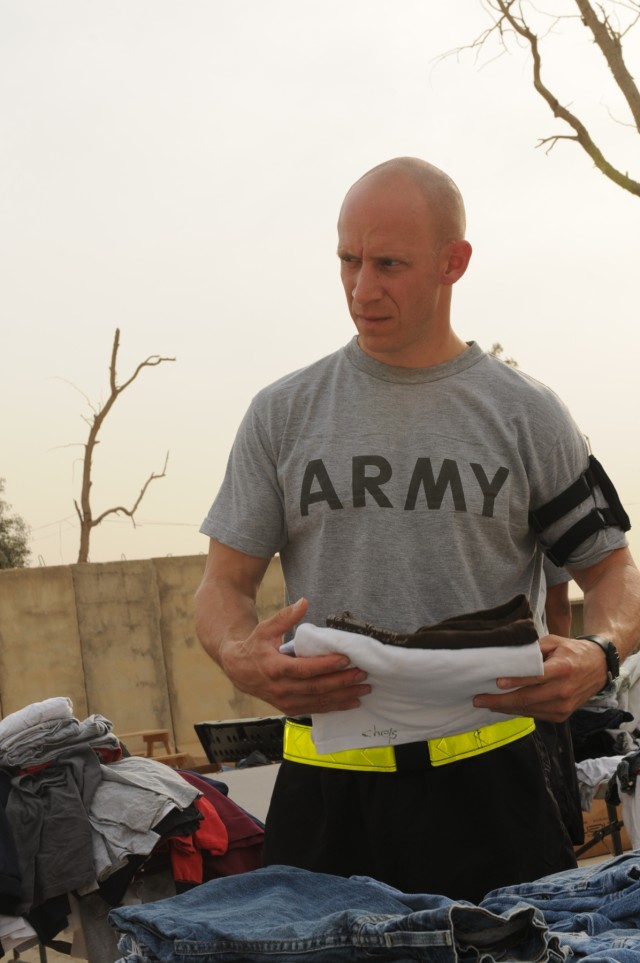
(118, 639)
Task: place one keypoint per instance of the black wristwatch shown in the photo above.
(611, 655)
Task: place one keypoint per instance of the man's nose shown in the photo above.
(366, 285)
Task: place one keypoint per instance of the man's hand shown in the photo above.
(294, 686)
(574, 670)
(248, 651)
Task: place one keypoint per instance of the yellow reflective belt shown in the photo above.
(299, 747)
(474, 743)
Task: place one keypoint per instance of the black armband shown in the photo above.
(598, 518)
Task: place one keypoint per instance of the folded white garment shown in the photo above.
(15, 932)
(59, 707)
(416, 693)
(592, 773)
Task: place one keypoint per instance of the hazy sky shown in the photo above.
(174, 168)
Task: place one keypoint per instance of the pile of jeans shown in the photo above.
(282, 914)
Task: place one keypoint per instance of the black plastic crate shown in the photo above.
(230, 740)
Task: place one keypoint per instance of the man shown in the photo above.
(396, 479)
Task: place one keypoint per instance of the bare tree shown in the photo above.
(87, 520)
(607, 24)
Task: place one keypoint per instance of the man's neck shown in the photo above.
(421, 356)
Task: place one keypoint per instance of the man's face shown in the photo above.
(391, 272)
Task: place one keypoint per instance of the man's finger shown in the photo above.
(517, 682)
(284, 620)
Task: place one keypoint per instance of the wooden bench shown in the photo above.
(152, 738)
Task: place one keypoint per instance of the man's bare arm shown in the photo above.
(612, 600)
(225, 602)
(247, 650)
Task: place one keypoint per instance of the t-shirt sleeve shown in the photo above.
(567, 462)
(553, 574)
(248, 511)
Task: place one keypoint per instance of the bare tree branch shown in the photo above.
(131, 511)
(511, 18)
(610, 43)
(83, 509)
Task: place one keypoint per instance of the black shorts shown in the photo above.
(457, 830)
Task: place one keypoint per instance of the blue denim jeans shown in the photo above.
(282, 914)
(594, 909)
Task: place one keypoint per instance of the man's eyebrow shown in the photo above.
(346, 253)
(398, 256)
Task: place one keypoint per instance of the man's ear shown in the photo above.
(455, 261)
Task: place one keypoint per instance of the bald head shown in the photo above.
(440, 193)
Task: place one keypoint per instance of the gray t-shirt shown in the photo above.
(402, 494)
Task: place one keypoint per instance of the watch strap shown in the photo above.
(610, 654)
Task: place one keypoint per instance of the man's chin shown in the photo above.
(375, 335)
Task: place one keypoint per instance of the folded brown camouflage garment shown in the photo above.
(508, 624)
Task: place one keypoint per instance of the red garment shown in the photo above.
(104, 754)
(246, 836)
(187, 852)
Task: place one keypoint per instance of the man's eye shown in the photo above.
(389, 262)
